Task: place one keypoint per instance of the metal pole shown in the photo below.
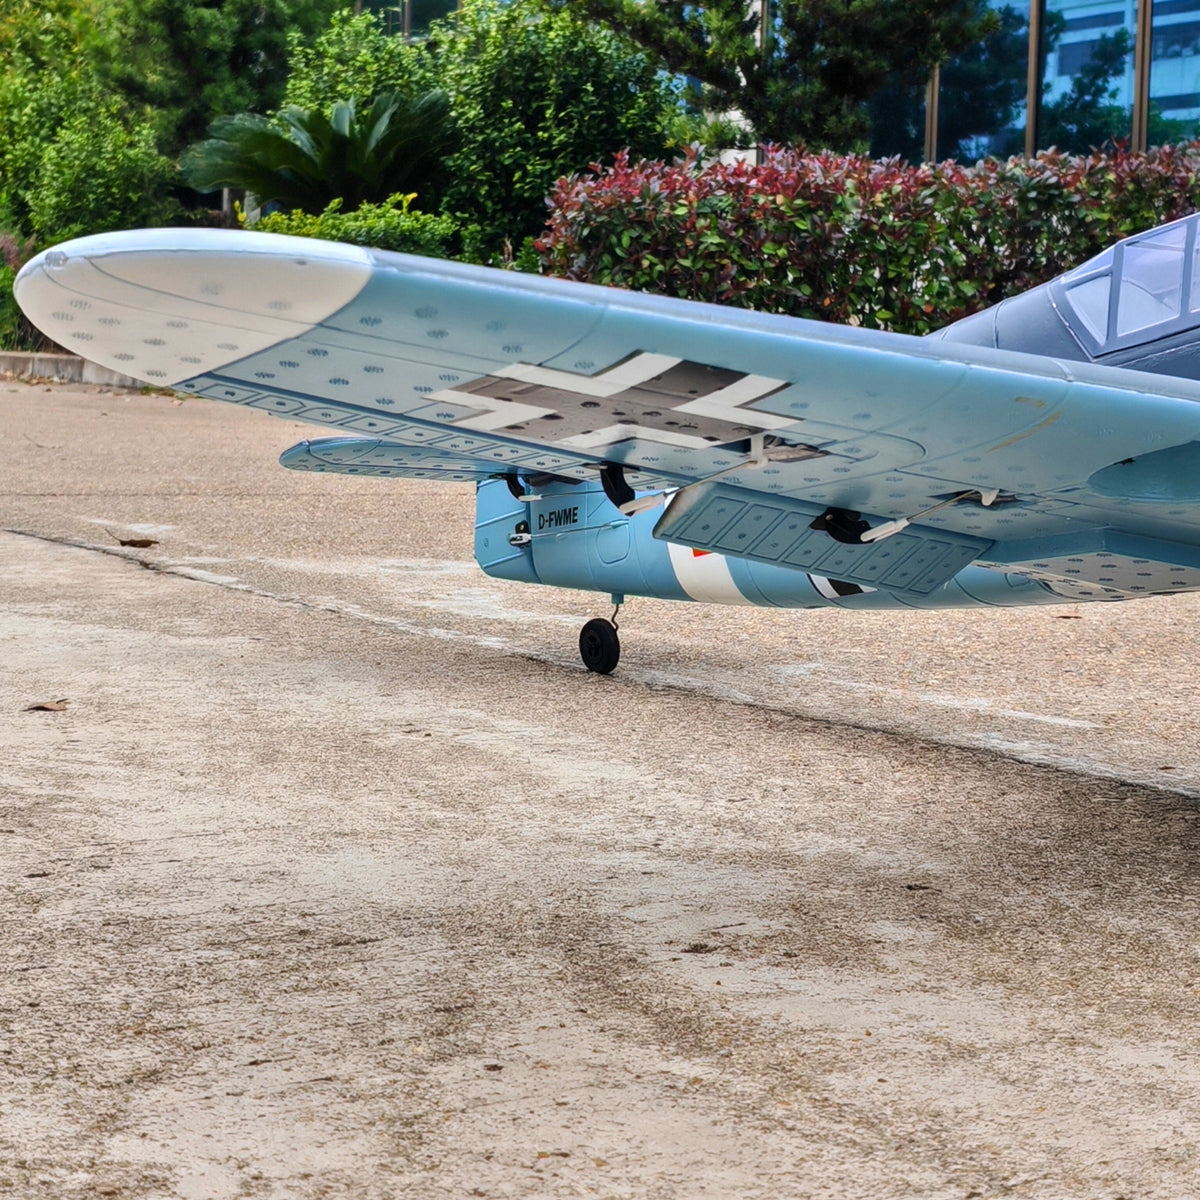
(1034, 76)
(931, 112)
(1141, 78)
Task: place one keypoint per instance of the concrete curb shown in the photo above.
(63, 368)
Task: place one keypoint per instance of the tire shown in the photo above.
(599, 646)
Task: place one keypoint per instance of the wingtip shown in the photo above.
(168, 305)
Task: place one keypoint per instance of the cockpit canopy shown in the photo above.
(1143, 289)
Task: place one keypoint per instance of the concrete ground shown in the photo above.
(338, 876)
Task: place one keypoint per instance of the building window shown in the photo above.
(1087, 81)
(1088, 85)
(1174, 109)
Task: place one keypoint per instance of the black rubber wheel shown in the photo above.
(599, 646)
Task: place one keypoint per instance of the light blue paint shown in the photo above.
(498, 516)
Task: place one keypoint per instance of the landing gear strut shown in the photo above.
(599, 645)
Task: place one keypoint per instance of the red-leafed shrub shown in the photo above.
(849, 238)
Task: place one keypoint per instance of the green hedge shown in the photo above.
(857, 240)
(391, 225)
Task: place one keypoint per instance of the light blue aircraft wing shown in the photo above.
(1083, 473)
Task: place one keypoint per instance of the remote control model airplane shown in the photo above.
(1043, 451)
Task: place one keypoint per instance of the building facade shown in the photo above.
(1096, 71)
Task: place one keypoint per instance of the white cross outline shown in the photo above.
(725, 404)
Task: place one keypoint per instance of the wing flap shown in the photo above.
(779, 530)
(1095, 564)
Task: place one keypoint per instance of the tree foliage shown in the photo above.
(537, 95)
(45, 76)
(73, 157)
(807, 72)
(353, 58)
(99, 172)
(305, 159)
(534, 95)
(191, 60)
